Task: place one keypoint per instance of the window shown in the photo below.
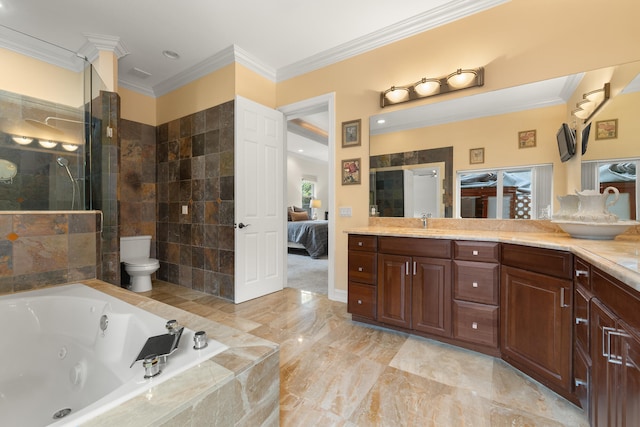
(308, 193)
(620, 174)
(505, 193)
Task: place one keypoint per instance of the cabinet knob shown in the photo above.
(360, 301)
(474, 284)
(474, 325)
(359, 268)
(359, 243)
(475, 253)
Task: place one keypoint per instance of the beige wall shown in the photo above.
(518, 42)
(38, 79)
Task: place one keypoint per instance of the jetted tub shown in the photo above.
(59, 367)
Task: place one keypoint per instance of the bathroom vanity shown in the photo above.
(564, 311)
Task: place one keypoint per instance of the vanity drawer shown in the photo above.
(411, 246)
(358, 242)
(581, 298)
(476, 251)
(477, 323)
(549, 262)
(363, 267)
(362, 300)
(476, 281)
(582, 273)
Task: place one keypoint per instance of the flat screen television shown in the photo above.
(585, 137)
(566, 138)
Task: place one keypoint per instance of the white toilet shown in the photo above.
(134, 253)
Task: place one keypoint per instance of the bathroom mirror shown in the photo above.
(539, 105)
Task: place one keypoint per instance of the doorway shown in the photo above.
(306, 266)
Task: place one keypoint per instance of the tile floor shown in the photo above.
(334, 372)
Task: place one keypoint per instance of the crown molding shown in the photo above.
(101, 42)
(427, 20)
(40, 49)
(143, 90)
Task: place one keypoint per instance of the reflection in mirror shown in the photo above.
(407, 185)
(522, 193)
(620, 174)
(408, 191)
(490, 119)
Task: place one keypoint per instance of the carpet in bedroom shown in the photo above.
(306, 273)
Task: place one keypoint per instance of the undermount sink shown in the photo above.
(595, 230)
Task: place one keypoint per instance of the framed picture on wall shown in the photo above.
(527, 139)
(607, 129)
(351, 172)
(351, 133)
(476, 155)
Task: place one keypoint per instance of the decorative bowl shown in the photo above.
(595, 230)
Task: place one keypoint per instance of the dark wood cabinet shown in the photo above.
(476, 291)
(615, 353)
(394, 290)
(414, 284)
(362, 266)
(536, 316)
(431, 296)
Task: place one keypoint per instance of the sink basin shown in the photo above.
(594, 230)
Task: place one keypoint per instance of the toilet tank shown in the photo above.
(135, 247)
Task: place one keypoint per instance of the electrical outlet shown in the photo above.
(185, 210)
(345, 211)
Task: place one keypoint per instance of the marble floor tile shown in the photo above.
(446, 364)
(336, 372)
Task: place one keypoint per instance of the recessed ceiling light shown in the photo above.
(301, 151)
(381, 121)
(171, 54)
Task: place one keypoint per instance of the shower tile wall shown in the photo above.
(104, 175)
(138, 180)
(41, 249)
(195, 170)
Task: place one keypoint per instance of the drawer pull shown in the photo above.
(581, 321)
(474, 284)
(360, 269)
(474, 325)
(360, 243)
(360, 301)
(580, 273)
(475, 253)
(581, 383)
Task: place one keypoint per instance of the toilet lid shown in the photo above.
(142, 262)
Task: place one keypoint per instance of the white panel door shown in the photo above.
(259, 192)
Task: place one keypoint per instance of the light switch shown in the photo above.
(345, 211)
(185, 209)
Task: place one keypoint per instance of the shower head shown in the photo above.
(62, 162)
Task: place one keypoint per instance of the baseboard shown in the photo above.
(339, 295)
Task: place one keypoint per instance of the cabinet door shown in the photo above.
(603, 373)
(431, 304)
(629, 404)
(535, 333)
(394, 290)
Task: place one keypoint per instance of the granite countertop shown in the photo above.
(619, 257)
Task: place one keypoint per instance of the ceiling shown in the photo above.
(277, 38)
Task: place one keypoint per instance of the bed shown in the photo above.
(313, 236)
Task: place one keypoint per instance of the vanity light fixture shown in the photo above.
(69, 147)
(47, 144)
(425, 87)
(592, 102)
(22, 140)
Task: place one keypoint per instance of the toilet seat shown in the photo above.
(142, 262)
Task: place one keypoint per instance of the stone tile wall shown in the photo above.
(137, 181)
(40, 249)
(195, 169)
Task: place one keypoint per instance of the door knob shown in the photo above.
(241, 225)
